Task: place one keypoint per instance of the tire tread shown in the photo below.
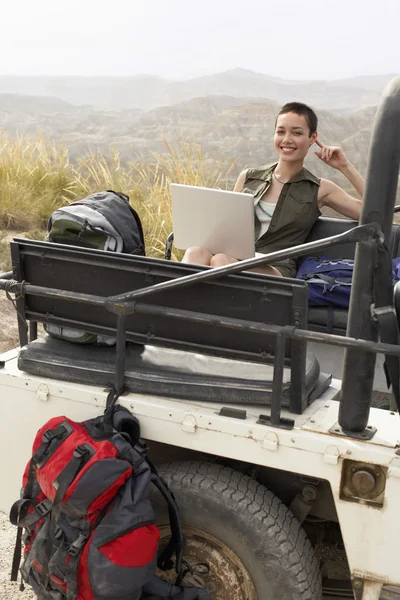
(261, 510)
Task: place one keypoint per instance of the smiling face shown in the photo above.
(292, 137)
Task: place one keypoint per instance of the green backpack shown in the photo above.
(102, 221)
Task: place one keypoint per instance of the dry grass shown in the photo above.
(36, 177)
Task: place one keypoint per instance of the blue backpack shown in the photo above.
(329, 279)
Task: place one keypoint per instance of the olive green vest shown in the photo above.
(296, 210)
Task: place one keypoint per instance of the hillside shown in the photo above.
(229, 128)
(148, 92)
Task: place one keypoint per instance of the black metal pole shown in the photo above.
(255, 327)
(46, 292)
(378, 204)
(9, 275)
(278, 379)
(33, 328)
(369, 232)
(120, 354)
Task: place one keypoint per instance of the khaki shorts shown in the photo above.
(287, 267)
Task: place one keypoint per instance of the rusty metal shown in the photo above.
(215, 566)
(363, 482)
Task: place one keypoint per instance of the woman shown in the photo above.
(287, 197)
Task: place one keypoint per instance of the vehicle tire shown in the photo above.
(253, 545)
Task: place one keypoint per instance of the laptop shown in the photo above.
(218, 220)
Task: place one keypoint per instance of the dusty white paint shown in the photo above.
(369, 534)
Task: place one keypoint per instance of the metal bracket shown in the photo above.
(284, 423)
(331, 455)
(42, 393)
(358, 589)
(189, 424)
(233, 413)
(365, 435)
(271, 442)
(303, 502)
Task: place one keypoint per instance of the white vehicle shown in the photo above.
(280, 471)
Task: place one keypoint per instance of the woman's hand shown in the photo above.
(332, 156)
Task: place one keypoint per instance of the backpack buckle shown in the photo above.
(48, 436)
(377, 312)
(44, 507)
(83, 450)
(76, 546)
(52, 434)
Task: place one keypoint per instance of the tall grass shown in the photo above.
(37, 176)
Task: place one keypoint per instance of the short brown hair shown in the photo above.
(301, 109)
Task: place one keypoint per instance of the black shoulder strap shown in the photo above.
(385, 314)
(48, 446)
(120, 194)
(176, 543)
(79, 458)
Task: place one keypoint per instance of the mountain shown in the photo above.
(148, 92)
(58, 119)
(230, 129)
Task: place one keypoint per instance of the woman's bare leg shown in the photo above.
(197, 256)
(267, 270)
(201, 256)
(220, 260)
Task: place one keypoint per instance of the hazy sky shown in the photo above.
(326, 39)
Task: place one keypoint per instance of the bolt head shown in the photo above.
(363, 481)
(309, 493)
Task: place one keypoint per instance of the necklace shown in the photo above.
(263, 210)
(280, 180)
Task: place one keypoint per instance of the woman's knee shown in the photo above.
(220, 260)
(197, 256)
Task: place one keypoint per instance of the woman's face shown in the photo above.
(292, 137)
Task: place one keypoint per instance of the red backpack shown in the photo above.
(89, 525)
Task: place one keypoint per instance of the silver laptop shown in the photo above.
(217, 220)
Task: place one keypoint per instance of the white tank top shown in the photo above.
(264, 212)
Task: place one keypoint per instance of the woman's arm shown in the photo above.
(241, 180)
(331, 194)
(334, 197)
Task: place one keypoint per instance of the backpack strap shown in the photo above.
(119, 194)
(17, 558)
(50, 442)
(81, 455)
(74, 552)
(176, 543)
(384, 313)
(314, 277)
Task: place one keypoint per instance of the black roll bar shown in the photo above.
(378, 206)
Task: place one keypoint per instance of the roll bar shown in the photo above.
(378, 206)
